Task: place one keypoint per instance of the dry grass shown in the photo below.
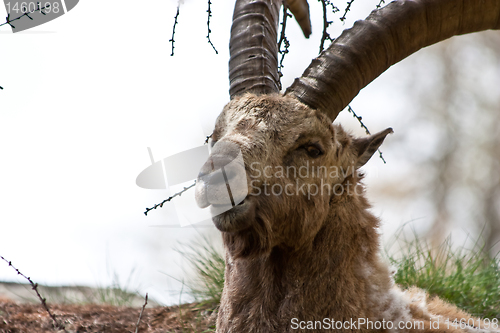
(32, 318)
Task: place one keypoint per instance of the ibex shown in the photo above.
(307, 260)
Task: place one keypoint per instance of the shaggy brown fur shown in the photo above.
(304, 257)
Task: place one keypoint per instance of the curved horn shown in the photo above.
(300, 10)
(253, 63)
(387, 36)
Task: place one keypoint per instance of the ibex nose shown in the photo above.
(222, 179)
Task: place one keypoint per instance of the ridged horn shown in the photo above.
(253, 49)
(386, 37)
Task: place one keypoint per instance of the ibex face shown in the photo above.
(295, 161)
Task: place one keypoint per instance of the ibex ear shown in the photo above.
(364, 148)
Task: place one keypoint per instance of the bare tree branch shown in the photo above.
(209, 11)
(177, 194)
(169, 198)
(367, 131)
(283, 40)
(140, 316)
(348, 8)
(382, 2)
(172, 40)
(326, 36)
(26, 13)
(34, 286)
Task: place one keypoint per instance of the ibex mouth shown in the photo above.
(229, 213)
(238, 218)
(218, 207)
(222, 185)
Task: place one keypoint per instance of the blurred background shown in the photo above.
(86, 94)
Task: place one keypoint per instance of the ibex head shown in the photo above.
(294, 131)
(295, 162)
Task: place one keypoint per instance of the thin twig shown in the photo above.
(334, 8)
(283, 40)
(34, 286)
(209, 11)
(40, 9)
(380, 3)
(172, 40)
(360, 120)
(348, 8)
(177, 194)
(140, 316)
(169, 198)
(326, 36)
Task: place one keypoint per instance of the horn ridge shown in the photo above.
(253, 63)
(388, 35)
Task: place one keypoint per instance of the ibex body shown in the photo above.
(302, 248)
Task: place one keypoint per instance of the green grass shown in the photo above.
(464, 277)
(207, 286)
(209, 266)
(116, 294)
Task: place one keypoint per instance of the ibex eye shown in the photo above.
(313, 150)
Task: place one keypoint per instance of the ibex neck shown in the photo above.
(325, 279)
